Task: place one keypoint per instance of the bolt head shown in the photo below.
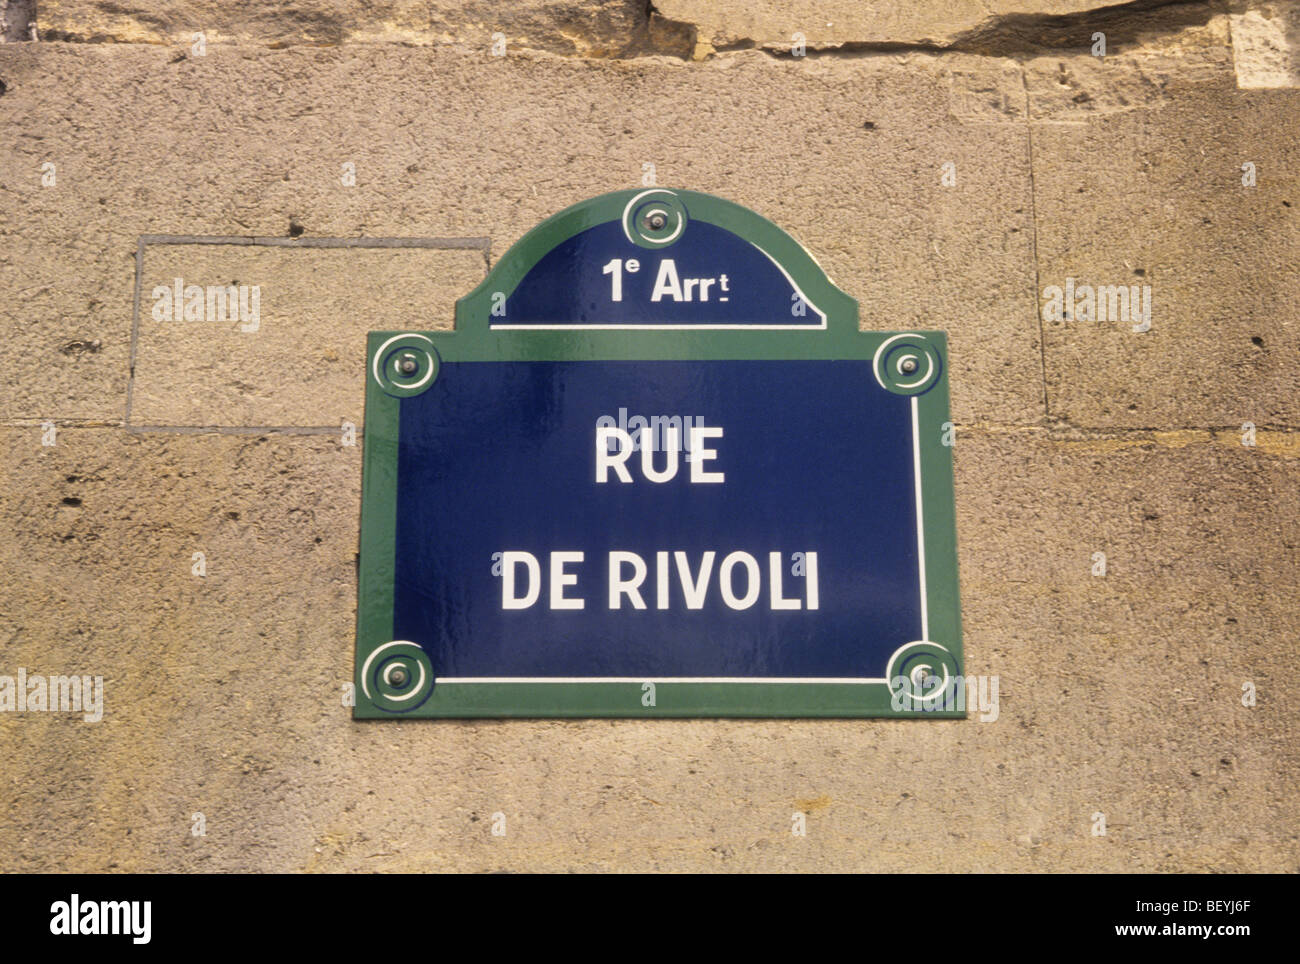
(908, 365)
(407, 365)
(656, 221)
(397, 677)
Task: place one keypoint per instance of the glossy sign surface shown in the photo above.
(599, 498)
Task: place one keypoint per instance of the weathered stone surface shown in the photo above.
(1076, 87)
(291, 353)
(1266, 45)
(1118, 694)
(587, 28)
(619, 28)
(773, 23)
(1155, 197)
(16, 20)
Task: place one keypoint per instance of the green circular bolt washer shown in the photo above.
(907, 364)
(926, 665)
(397, 676)
(654, 218)
(405, 365)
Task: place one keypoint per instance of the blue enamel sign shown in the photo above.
(657, 470)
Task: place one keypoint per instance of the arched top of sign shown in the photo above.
(657, 259)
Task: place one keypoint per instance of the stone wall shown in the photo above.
(1171, 162)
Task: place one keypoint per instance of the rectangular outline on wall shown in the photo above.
(444, 244)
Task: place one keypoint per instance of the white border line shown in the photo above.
(528, 327)
(799, 291)
(856, 681)
(920, 523)
(657, 679)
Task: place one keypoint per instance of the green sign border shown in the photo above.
(474, 341)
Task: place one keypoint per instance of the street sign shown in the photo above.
(657, 470)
